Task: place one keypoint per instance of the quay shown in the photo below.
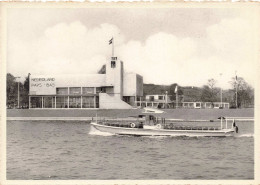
(171, 114)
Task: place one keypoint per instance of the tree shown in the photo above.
(11, 90)
(191, 94)
(245, 93)
(209, 91)
(25, 93)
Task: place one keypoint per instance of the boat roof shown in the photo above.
(152, 110)
(144, 115)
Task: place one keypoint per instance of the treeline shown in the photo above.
(12, 84)
(208, 93)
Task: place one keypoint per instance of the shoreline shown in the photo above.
(170, 114)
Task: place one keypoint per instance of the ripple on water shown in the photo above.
(57, 151)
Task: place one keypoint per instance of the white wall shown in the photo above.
(124, 84)
(129, 84)
(114, 77)
(46, 84)
(112, 102)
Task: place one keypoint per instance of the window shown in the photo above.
(36, 102)
(113, 64)
(48, 102)
(161, 97)
(62, 90)
(126, 99)
(75, 90)
(88, 90)
(138, 98)
(75, 102)
(151, 98)
(100, 90)
(62, 102)
(97, 102)
(88, 101)
(197, 104)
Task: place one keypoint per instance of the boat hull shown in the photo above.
(162, 132)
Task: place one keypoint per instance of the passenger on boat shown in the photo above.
(236, 129)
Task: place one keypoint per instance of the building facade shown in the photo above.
(156, 101)
(116, 89)
(163, 101)
(205, 105)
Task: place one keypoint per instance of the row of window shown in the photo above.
(151, 98)
(78, 90)
(65, 102)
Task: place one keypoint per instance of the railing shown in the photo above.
(190, 128)
(125, 122)
(241, 118)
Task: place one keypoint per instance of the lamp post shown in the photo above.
(166, 99)
(220, 91)
(18, 93)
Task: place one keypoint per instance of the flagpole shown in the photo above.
(176, 99)
(176, 91)
(236, 89)
(113, 46)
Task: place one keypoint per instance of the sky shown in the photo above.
(187, 46)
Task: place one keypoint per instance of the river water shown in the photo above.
(62, 150)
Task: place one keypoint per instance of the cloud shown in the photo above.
(233, 41)
(159, 59)
(163, 58)
(64, 48)
(231, 38)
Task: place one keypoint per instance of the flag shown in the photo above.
(176, 89)
(110, 41)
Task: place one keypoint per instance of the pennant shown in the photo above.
(110, 41)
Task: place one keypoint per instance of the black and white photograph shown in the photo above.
(120, 91)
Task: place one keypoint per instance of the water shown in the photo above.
(61, 150)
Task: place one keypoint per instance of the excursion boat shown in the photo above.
(150, 125)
